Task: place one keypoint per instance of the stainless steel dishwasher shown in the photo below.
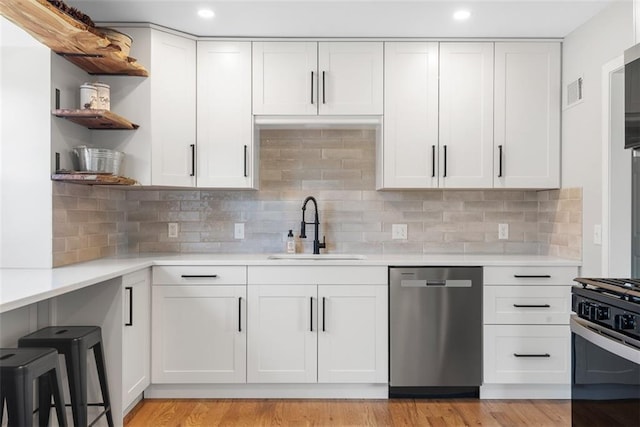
(435, 331)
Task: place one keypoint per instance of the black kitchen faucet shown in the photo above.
(316, 222)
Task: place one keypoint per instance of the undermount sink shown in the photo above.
(317, 257)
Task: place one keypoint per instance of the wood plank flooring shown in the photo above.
(393, 412)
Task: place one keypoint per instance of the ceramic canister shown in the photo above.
(88, 96)
(104, 102)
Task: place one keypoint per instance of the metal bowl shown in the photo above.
(99, 160)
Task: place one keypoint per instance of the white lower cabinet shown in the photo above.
(307, 333)
(136, 342)
(527, 341)
(530, 354)
(282, 334)
(199, 329)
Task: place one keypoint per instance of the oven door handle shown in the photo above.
(606, 339)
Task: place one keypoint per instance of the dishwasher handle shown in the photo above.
(435, 283)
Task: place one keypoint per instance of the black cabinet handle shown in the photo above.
(193, 160)
(323, 314)
(531, 305)
(130, 290)
(245, 160)
(500, 161)
(532, 355)
(311, 314)
(324, 85)
(312, 88)
(433, 161)
(444, 175)
(239, 314)
(532, 276)
(199, 276)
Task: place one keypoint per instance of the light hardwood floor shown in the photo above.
(393, 412)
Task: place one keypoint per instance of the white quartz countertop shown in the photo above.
(21, 287)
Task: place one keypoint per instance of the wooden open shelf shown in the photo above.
(95, 119)
(93, 179)
(74, 40)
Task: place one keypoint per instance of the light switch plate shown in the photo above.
(597, 234)
(238, 230)
(399, 231)
(503, 231)
(173, 230)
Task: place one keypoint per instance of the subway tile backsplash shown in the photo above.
(338, 168)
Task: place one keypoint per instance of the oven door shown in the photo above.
(605, 389)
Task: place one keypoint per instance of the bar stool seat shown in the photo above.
(74, 343)
(19, 367)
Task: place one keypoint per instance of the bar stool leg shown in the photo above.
(1, 404)
(56, 388)
(20, 404)
(76, 362)
(44, 399)
(102, 376)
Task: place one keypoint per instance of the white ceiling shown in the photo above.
(355, 18)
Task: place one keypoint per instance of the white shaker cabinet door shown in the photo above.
(199, 334)
(527, 115)
(225, 127)
(410, 143)
(136, 336)
(173, 110)
(350, 78)
(285, 78)
(466, 115)
(283, 339)
(352, 334)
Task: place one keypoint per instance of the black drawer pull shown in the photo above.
(532, 276)
(239, 314)
(531, 305)
(199, 276)
(532, 355)
(129, 289)
(311, 314)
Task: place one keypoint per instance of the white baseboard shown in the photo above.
(525, 391)
(266, 391)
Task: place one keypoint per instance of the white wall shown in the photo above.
(585, 51)
(25, 150)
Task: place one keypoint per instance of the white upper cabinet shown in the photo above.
(173, 110)
(224, 150)
(350, 75)
(410, 142)
(466, 115)
(310, 78)
(527, 115)
(285, 78)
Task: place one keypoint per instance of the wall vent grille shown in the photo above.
(574, 92)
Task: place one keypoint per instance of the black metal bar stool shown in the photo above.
(19, 367)
(74, 343)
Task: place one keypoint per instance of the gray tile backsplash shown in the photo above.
(338, 168)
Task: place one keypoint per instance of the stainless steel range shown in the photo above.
(605, 335)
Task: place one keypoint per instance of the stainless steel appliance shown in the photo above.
(632, 140)
(435, 331)
(605, 335)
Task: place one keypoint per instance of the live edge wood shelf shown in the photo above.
(96, 119)
(93, 179)
(77, 42)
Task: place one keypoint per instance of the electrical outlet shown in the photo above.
(503, 231)
(399, 231)
(238, 230)
(173, 229)
(597, 234)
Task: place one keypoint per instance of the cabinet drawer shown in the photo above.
(317, 275)
(527, 354)
(200, 275)
(527, 305)
(530, 275)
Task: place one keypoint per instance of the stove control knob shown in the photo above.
(585, 309)
(625, 321)
(602, 313)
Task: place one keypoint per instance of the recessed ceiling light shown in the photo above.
(206, 13)
(461, 15)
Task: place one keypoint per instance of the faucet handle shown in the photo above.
(323, 245)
